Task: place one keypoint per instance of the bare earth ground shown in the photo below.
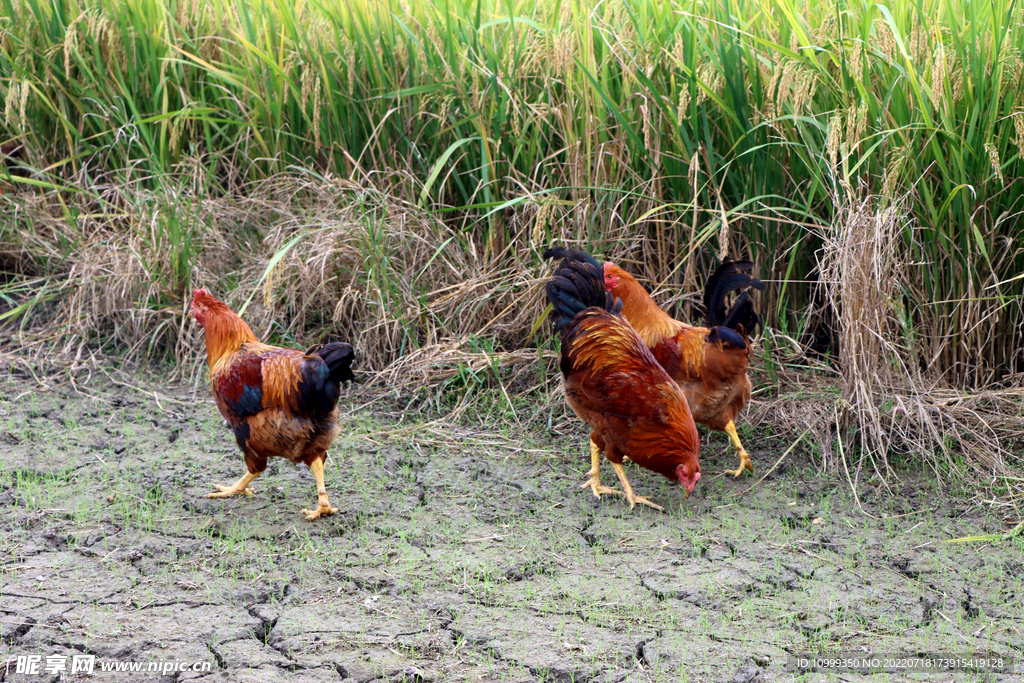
(462, 554)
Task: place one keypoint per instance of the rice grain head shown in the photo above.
(897, 160)
(826, 30)
(939, 75)
(885, 40)
(563, 54)
(711, 78)
(917, 45)
(306, 84)
(317, 100)
(856, 125)
(645, 115)
(789, 71)
(772, 92)
(993, 157)
(175, 136)
(70, 45)
(683, 112)
(318, 33)
(26, 90)
(856, 57)
(536, 56)
(624, 44)
(693, 169)
(540, 221)
(445, 108)
(96, 26)
(401, 52)
(476, 94)
(756, 117)
(209, 49)
(349, 52)
(268, 287)
(1018, 127)
(184, 11)
(515, 117)
(1010, 64)
(565, 14)
(434, 37)
(11, 102)
(835, 125)
(958, 80)
(806, 84)
(724, 237)
(679, 51)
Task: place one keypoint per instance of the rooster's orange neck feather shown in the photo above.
(225, 334)
(642, 312)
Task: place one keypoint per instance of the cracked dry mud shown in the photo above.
(459, 554)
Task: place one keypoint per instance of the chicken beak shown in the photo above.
(687, 494)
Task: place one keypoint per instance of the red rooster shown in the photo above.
(612, 381)
(709, 363)
(279, 402)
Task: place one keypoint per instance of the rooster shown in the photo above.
(278, 402)
(612, 381)
(709, 363)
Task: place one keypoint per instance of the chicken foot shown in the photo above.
(323, 504)
(630, 496)
(240, 487)
(594, 483)
(745, 463)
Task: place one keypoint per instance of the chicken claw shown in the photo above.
(323, 504)
(745, 463)
(594, 482)
(643, 501)
(630, 496)
(239, 488)
(321, 509)
(595, 485)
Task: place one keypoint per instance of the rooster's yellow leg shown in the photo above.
(594, 483)
(745, 463)
(323, 505)
(630, 496)
(240, 487)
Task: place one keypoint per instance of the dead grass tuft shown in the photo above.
(300, 260)
(891, 406)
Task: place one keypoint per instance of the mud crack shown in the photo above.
(262, 632)
(640, 654)
(218, 657)
(19, 630)
(902, 565)
(590, 538)
(186, 603)
(73, 646)
(561, 675)
(97, 601)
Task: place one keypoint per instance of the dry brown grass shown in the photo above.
(892, 404)
(300, 260)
